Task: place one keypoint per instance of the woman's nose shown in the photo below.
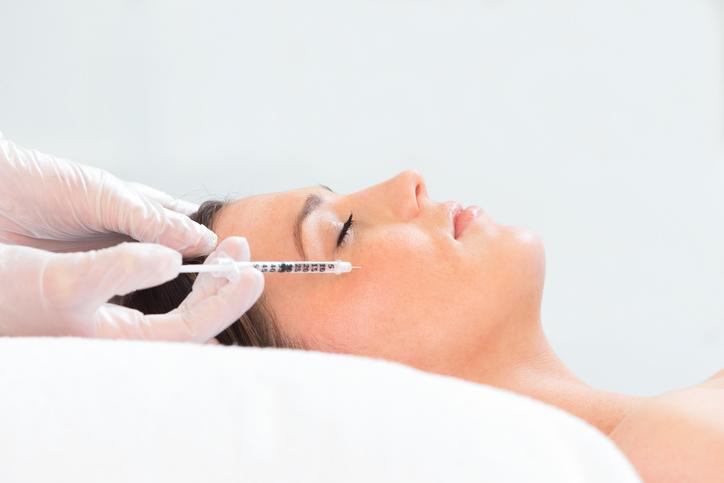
(405, 192)
(398, 199)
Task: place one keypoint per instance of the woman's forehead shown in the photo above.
(266, 221)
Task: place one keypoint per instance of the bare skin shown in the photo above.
(475, 315)
(677, 436)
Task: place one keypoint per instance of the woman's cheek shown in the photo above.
(371, 307)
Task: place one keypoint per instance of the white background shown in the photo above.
(600, 124)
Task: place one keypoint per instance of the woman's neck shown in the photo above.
(526, 364)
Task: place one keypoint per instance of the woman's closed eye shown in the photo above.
(345, 231)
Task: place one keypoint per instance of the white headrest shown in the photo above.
(84, 410)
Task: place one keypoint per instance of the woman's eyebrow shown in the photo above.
(310, 204)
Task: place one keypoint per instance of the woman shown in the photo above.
(445, 290)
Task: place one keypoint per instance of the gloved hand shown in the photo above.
(55, 204)
(48, 293)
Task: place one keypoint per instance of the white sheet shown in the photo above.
(82, 410)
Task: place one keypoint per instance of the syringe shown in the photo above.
(336, 266)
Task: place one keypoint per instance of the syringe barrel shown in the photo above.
(301, 267)
(337, 267)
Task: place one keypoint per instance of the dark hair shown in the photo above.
(257, 327)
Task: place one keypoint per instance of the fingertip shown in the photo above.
(234, 247)
(204, 242)
(173, 262)
(178, 231)
(164, 199)
(208, 241)
(167, 261)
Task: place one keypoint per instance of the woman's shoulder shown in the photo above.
(678, 435)
(717, 380)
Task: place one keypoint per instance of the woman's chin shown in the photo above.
(533, 252)
(525, 251)
(527, 236)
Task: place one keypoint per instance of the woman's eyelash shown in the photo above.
(345, 230)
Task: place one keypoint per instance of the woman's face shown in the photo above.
(423, 296)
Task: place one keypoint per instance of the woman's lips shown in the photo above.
(463, 218)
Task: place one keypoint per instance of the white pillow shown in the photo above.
(84, 410)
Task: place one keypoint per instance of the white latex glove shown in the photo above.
(48, 293)
(55, 204)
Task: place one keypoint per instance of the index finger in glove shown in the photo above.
(130, 212)
(96, 276)
(164, 199)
